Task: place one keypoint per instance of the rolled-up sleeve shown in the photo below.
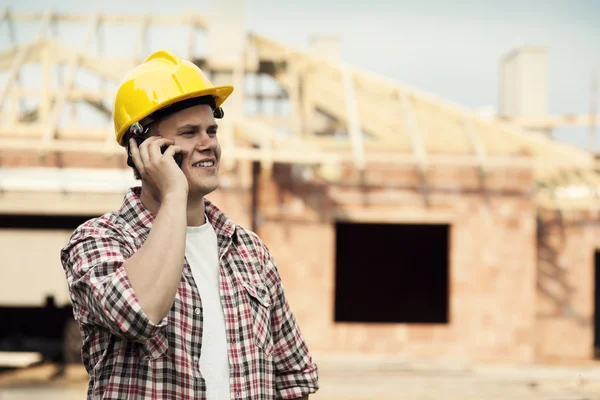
(99, 287)
(296, 373)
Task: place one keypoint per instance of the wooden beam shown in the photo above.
(22, 56)
(140, 41)
(295, 156)
(411, 216)
(73, 93)
(191, 41)
(111, 68)
(549, 122)
(36, 130)
(412, 127)
(234, 109)
(386, 89)
(297, 117)
(19, 104)
(117, 18)
(68, 82)
(476, 142)
(45, 90)
(327, 95)
(5, 14)
(354, 130)
(7, 57)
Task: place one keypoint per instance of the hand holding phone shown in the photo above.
(158, 173)
(139, 140)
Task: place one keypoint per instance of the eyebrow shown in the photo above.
(195, 128)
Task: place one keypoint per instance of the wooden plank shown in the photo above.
(110, 68)
(191, 41)
(293, 80)
(5, 14)
(385, 88)
(354, 130)
(412, 128)
(21, 56)
(290, 155)
(45, 90)
(157, 19)
(140, 40)
(53, 121)
(409, 216)
(553, 121)
(476, 142)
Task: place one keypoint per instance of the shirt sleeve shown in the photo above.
(99, 287)
(296, 373)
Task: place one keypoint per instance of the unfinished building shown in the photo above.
(402, 224)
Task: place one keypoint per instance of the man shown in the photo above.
(175, 300)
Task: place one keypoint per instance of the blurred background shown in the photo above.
(424, 173)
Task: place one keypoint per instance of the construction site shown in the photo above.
(411, 233)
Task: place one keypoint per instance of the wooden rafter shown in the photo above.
(21, 56)
(356, 136)
(386, 111)
(476, 142)
(552, 121)
(117, 18)
(140, 40)
(55, 114)
(385, 90)
(412, 128)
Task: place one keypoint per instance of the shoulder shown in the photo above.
(109, 224)
(94, 235)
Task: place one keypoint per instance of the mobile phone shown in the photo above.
(139, 140)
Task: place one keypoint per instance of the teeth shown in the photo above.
(204, 164)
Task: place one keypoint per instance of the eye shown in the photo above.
(212, 131)
(188, 133)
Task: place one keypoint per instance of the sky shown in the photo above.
(449, 48)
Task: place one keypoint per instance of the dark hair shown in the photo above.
(150, 123)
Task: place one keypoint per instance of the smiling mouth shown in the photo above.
(204, 164)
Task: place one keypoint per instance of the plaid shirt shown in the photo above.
(129, 357)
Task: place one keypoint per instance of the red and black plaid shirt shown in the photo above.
(129, 357)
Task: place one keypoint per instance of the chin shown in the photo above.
(203, 188)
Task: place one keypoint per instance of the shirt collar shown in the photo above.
(141, 219)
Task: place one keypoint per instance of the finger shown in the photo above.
(155, 147)
(135, 155)
(144, 155)
(172, 150)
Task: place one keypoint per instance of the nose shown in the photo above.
(206, 143)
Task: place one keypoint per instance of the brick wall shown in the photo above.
(565, 296)
(492, 255)
(492, 258)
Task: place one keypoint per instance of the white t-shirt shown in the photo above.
(202, 253)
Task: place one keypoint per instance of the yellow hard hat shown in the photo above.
(161, 80)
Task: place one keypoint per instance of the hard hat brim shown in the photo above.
(220, 93)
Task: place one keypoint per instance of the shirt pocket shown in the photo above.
(259, 300)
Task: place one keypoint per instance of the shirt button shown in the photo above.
(197, 311)
(196, 359)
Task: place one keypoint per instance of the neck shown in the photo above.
(195, 206)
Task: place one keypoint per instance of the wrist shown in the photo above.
(175, 198)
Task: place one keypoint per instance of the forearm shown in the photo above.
(155, 269)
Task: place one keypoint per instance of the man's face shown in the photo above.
(195, 130)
